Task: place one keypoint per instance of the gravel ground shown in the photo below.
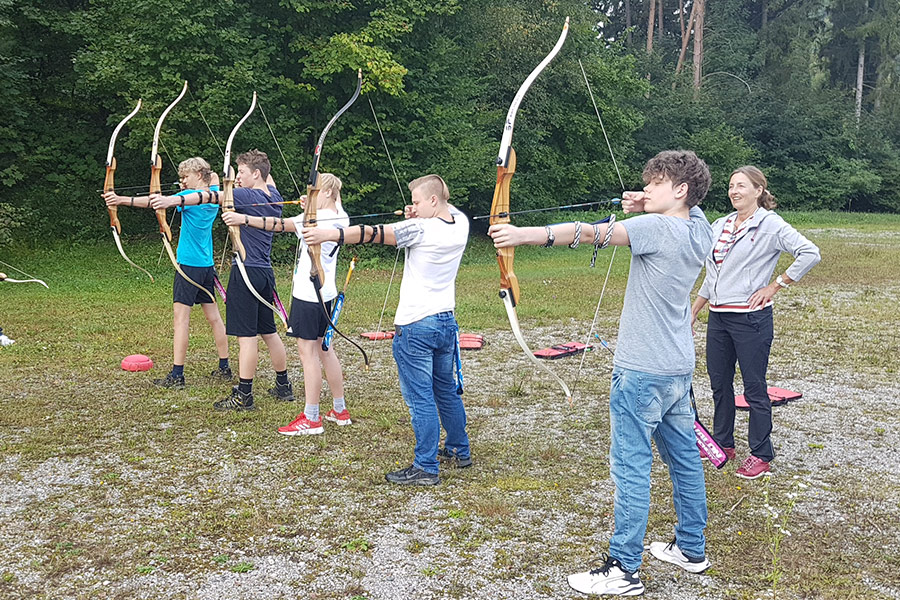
(535, 507)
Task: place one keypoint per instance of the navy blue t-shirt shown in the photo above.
(257, 243)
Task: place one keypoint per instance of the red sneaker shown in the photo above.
(729, 452)
(341, 418)
(752, 468)
(302, 426)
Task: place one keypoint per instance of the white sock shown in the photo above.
(311, 412)
(339, 405)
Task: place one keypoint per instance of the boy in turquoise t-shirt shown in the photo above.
(195, 257)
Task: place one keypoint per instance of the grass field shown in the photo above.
(112, 488)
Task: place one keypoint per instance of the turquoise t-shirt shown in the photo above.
(195, 244)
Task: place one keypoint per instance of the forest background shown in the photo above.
(809, 90)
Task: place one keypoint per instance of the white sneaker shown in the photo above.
(5, 341)
(670, 552)
(609, 579)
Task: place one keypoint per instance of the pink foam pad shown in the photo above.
(377, 335)
(137, 362)
(777, 395)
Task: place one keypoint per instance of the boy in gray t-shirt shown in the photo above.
(653, 365)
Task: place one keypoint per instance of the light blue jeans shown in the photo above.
(642, 407)
(425, 352)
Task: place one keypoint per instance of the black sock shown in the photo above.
(223, 364)
(281, 377)
(177, 370)
(245, 386)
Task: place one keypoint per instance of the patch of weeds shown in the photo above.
(776, 530)
(816, 446)
(517, 484)
(242, 567)
(144, 569)
(8, 577)
(521, 382)
(879, 431)
(432, 571)
(221, 559)
(357, 545)
(456, 513)
(416, 546)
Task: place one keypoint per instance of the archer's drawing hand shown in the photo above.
(633, 202)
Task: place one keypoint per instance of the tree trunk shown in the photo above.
(628, 37)
(698, 46)
(765, 14)
(860, 70)
(650, 22)
(681, 16)
(660, 20)
(685, 36)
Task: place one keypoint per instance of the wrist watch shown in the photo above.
(780, 281)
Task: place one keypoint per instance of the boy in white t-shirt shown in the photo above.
(307, 320)
(425, 341)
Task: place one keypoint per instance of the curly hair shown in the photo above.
(196, 165)
(681, 166)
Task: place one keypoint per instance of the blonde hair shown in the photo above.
(433, 186)
(196, 165)
(766, 199)
(327, 181)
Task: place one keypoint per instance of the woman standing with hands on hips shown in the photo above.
(740, 297)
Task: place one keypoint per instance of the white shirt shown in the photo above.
(434, 249)
(303, 287)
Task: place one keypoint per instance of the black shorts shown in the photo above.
(245, 316)
(307, 320)
(184, 292)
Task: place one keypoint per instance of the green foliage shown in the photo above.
(440, 75)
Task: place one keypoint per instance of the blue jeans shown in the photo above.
(642, 407)
(425, 353)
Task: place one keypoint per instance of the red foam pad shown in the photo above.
(137, 362)
(471, 342)
(561, 350)
(777, 396)
(377, 335)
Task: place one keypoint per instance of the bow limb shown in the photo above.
(109, 185)
(165, 231)
(311, 211)
(234, 231)
(3, 277)
(500, 208)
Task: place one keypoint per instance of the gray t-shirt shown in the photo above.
(667, 254)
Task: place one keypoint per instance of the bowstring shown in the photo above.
(612, 258)
(222, 152)
(403, 196)
(296, 189)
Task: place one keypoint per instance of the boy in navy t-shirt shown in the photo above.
(246, 316)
